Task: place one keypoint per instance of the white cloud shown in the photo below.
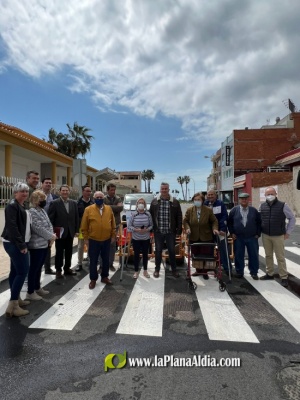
(216, 66)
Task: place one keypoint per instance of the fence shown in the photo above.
(7, 184)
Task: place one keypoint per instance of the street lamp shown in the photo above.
(194, 184)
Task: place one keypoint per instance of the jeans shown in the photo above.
(19, 266)
(37, 259)
(160, 239)
(253, 259)
(97, 248)
(140, 246)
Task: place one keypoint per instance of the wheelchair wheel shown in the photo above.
(222, 286)
(192, 285)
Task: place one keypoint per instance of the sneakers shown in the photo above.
(284, 282)
(266, 277)
(33, 296)
(42, 292)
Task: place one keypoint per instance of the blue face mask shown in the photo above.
(99, 202)
(197, 203)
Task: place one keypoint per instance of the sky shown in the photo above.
(160, 83)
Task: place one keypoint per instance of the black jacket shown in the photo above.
(175, 222)
(59, 217)
(15, 224)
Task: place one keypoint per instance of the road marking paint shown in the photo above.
(70, 308)
(222, 318)
(285, 302)
(5, 296)
(143, 314)
(292, 267)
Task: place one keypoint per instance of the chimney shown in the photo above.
(277, 120)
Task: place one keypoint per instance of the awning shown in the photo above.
(288, 159)
(239, 184)
(106, 174)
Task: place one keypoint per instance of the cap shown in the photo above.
(244, 195)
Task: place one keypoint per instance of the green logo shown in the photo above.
(108, 362)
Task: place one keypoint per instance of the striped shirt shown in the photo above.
(137, 221)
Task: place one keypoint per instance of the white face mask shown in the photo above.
(141, 206)
(270, 197)
(197, 203)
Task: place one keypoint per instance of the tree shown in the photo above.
(144, 178)
(181, 181)
(187, 181)
(149, 175)
(73, 143)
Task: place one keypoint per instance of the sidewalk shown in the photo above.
(5, 261)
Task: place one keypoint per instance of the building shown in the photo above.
(258, 157)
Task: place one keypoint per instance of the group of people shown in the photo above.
(35, 219)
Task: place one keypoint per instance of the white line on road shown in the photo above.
(143, 314)
(285, 302)
(222, 319)
(70, 308)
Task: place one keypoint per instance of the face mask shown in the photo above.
(42, 203)
(99, 202)
(271, 197)
(141, 206)
(197, 203)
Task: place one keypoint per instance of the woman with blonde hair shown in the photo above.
(140, 224)
(42, 237)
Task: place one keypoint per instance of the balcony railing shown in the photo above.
(7, 184)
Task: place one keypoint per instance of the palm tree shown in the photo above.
(144, 178)
(187, 181)
(181, 181)
(76, 142)
(149, 174)
(80, 139)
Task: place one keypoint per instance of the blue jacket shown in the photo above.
(220, 211)
(253, 225)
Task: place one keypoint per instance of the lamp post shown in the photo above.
(194, 184)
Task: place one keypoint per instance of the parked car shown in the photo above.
(131, 199)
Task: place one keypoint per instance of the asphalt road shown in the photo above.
(69, 364)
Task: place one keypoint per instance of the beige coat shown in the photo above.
(203, 230)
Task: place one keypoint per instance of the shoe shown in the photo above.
(146, 274)
(78, 268)
(175, 274)
(239, 276)
(14, 309)
(23, 303)
(112, 268)
(205, 276)
(266, 277)
(156, 274)
(50, 272)
(58, 275)
(255, 277)
(284, 282)
(92, 284)
(107, 281)
(42, 292)
(69, 272)
(33, 296)
(135, 275)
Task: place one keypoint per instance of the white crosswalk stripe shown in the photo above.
(143, 314)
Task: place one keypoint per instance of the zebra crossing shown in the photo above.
(143, 313)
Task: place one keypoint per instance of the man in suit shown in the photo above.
(63, 214)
